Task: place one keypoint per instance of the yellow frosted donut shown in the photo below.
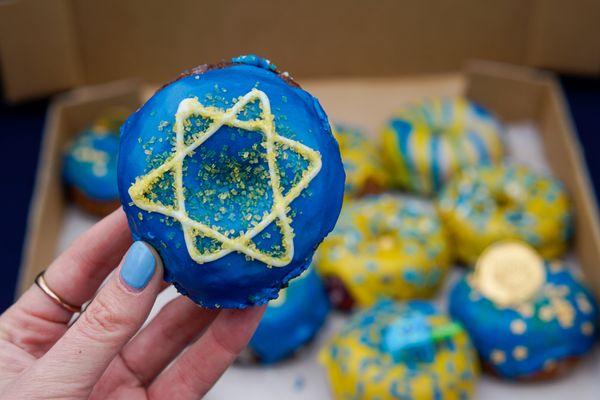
(362, 162)
(383, 246)
(401, 351)
(425, 144)
(482, 206)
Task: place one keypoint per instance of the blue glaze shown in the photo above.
(96, 179)
(546, 339)
(254, 60)
(233, 281)
(480, 110)
(482, 151)
(292, 320)
(403, 130)
(409, 339)
(435, 161)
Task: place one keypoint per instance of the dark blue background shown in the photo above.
(20, 136)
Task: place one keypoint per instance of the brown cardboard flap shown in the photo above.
(38, 48)
(50, 45)
(565, 36)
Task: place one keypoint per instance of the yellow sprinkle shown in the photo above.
(518, 326)
(520, 353)
(498, 357)
(587, 328)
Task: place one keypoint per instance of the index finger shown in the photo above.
(78, 272)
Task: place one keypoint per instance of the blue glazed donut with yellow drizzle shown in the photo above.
(401, 351)
(535, 338)
(384, 246)
(425, 144)
(362, 162)
(232, 173)
(90, 166)
(292, 320)
(488, 204)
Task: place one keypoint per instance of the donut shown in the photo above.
(384, 246)
(489, 204)
(232, 173)
(401, 351)
(362, 162)
(292, 320)
(90, 166)
(528, 319)
(425, 144)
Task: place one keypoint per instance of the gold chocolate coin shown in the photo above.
(509, 273)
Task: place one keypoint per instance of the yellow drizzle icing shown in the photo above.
(192, 229)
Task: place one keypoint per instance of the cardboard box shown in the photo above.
(514, 93)
(52, 45)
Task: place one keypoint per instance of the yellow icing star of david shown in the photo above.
(191, 228)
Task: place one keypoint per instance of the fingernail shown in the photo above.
(138, 266)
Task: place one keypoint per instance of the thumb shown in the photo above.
(117, 312)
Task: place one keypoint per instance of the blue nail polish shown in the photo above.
(138, 266)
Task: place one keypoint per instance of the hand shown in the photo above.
(99, 357)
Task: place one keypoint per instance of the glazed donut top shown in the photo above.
(90, 163)
(386, 246)
(521, 339)
(401, 350)
(428, 142)
(223, 166)
(386, 224)
(521, 202)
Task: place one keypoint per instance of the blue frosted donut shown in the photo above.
(90, 165)
(231, 172)
(533, 339)
(291, 320)
(425, 144)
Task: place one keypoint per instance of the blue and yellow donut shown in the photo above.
(232, 173)
(384, 246)
(291, 320)
(362, 162)
(90, 166)
(485, 205)
(425, 144)
(534, 338)
(401, 351)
